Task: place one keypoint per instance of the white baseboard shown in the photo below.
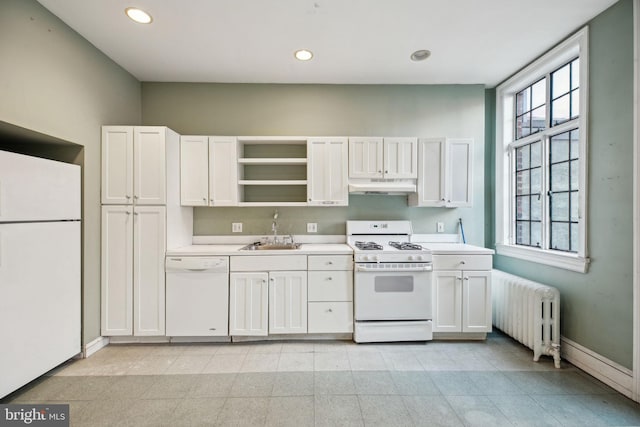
(94, 346)
(609, 372)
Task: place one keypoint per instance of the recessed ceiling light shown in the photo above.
(303, 54)
(420, 55)
(138, 15)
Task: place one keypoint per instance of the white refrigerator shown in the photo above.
(40, 267)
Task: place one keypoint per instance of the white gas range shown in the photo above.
(392, 282)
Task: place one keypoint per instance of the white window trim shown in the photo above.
(576, 45)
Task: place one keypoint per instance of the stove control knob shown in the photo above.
(419, 258)
(364, 258)
(374, 258)
(410, 258)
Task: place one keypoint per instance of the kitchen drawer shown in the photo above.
(462, 262)
(330, 286)
(330, 262)
(330, 317)
(267, 262)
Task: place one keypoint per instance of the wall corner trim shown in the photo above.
(609, 372)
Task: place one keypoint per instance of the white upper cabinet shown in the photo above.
(208, 171)
(374, 157)
(327, 181)
(194, 170)
(365, 157)
(117, 165)
(444, 173)
(223, 171)
(134, 165)
(458, 188)
(400, 158)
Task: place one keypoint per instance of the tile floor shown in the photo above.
(485, 383)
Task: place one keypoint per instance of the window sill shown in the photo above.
(566, 261)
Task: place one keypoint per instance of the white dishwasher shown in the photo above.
(197, 299)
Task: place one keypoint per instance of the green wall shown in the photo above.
(54, 82)
(312, 110)
(597, 308)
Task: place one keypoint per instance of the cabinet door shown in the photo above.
(431, 160)
(194, 170)
(248, 303)
(223, 171)
(327, 181)
(149, 246)
(447, 301)
(117, 165)
(288, 302)
(400, 158)
(149, 165)
(365, 157)
(476, 301)
(458, 172)
(117, 270)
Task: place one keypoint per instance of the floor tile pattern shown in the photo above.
(328, 383)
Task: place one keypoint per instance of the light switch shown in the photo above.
(236, 227)
(312, 227)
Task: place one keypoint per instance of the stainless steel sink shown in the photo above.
(270, 246)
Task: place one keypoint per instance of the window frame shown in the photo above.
(574, 46)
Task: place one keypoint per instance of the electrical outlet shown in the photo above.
(440, 227)
(312, 227)
(236, 227)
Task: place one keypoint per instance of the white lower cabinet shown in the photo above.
(133, 280)
(288, 302)
(462, 298)
(248, 303)
(330, 294)
(268, 302)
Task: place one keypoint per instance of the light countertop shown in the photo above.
(456, 248)
(305, 249)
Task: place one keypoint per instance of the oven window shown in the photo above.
(393, 284)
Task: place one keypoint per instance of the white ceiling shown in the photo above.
(354, 41)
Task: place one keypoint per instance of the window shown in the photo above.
(540, 152)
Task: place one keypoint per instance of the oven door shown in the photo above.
(392, 295)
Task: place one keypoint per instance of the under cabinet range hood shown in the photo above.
(382, 186)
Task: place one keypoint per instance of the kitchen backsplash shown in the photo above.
(331, 220)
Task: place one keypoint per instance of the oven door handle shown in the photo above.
(364, 267)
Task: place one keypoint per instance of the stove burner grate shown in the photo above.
(368, 246)
(406, 246)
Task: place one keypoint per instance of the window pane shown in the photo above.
(560, 83)
(519, 121)
(522, 102)
(575, 237)
(560, 177)
(560, 110)
(575, 169)
(560, 236)
(536, 181)
(522, 232)
(575, 73)
(536, 207)
(560, 148)
(560, 207)
(536, 154)
(538, 119)
(522, 182)
(522, 158)
(575, 144)
(522, 207)
(575, 104)
(538, 96)
(526, 124)
(574, 206)
(536, 234)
